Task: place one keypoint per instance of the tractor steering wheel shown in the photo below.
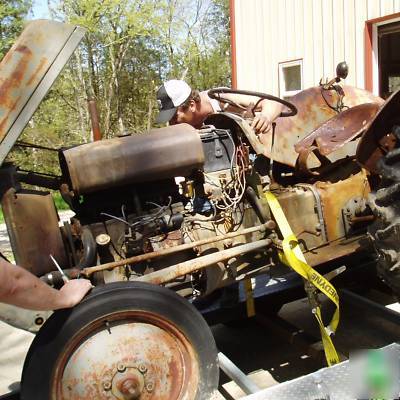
(216, 95)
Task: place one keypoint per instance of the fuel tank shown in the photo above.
(315, 107)
(162, 153)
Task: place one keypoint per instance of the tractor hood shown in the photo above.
(28, 71)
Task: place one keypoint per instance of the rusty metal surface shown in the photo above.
(335, 196)
(335, 251)
(378, 138)
(27, 72)
(170, 250)
(312, 111)
(339, 129)
(94, 118)
(187, 267)
(165, 241)
(162, 153)
(145, 357)
(32, 224)
(28, 320)
(300, 208)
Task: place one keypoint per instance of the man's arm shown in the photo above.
(23, 289)
(268, 110)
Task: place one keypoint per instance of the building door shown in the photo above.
(389, 58)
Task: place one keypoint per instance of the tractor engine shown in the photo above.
(140, 198)
(146, 193)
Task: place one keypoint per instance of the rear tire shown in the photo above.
(385, 234)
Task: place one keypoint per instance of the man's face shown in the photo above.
(188, 115)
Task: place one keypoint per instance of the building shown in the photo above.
(283, 46)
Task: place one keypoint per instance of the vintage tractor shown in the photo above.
(165, 219)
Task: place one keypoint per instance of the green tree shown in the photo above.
(12, 17)
(197, 39)
(120, 39)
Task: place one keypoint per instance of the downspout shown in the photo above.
(233, 43)
(368, 79)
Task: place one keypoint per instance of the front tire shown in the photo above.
(125, 340)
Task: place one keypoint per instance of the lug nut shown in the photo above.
(107, 385)
(130, 389)
(142, 368)
(150, 386)
(121, 368)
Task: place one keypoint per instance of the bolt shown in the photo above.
(39, 321)
(107, 385)
(228, 243)
(150, 386)
(130, 389)
(142, 368)
(103, 239)
(121, 367)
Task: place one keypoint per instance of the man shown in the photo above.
(21, 288)
(178, 103)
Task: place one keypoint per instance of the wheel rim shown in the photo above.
(127, 355)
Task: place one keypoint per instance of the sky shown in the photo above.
(40, 9)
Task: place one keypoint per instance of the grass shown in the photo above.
(58, 201)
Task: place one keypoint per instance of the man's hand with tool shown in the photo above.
(23, 289)
(73, 290)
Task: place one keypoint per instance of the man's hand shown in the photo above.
(270, 111)
(261, 124)
(73, 292)
(21, 288)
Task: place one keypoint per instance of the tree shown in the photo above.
(12, 16)
(197, 37)
(121, 35)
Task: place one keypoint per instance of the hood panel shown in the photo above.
(28, 71)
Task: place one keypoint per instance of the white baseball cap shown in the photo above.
(170, 96)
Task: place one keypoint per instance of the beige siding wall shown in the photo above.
(321, 32)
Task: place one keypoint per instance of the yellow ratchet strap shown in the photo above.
(250, 308)
(294, 258)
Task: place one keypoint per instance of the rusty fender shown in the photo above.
(170, 273)
(155, 254)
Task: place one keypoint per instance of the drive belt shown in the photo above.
(294, 258)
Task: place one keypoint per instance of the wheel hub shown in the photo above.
(128, 384)
(129, 360)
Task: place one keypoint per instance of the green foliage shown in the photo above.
(59, 202)
(197, 40)
(12, 16)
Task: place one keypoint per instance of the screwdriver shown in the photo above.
(64, 276)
